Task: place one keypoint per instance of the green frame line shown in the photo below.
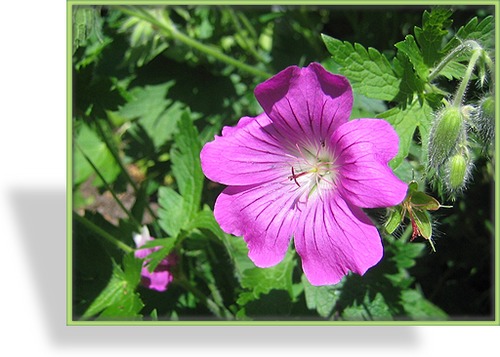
(353, 3)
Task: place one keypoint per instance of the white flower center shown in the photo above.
(315, 169)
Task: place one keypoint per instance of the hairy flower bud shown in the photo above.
(485, 119)
(446, 131)
(457, 172)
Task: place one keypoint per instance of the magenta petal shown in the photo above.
(157, 280)
(333, 238)
(252, 152)
(363, 148)
(264, 215)
(306, 103)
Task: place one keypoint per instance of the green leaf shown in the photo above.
(419, 308)
(370, 72)
(321, 298)
(368, 309)
(170, 214)
(410, 49)
(405, 254)
(186, 166)
(430, 36)
(154, 112)
(118, 299)
(405, 122)
(100, 155)
(259, 281)
(179, 209)
(166, 246)
(483, 32)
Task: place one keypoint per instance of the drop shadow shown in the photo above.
(41, 216)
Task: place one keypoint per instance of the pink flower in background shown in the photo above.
(302, 170)
(161, 276)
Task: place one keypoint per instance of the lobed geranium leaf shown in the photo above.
(369, 309)
(483, 32)
(118, 299)
(417, 307)
(370, 72)
(177, 210)
(186, 166)
(321, 298)
(410, 49)
(405, 122)
(258, 281)
(170, 214)
(430, 36)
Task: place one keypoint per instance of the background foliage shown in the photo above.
(151, 85)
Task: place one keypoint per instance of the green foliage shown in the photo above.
(153, 84)
(118, 299)
(369, 71)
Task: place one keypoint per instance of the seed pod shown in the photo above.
(457, 172)
(446, 131)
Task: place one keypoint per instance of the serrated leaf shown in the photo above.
(321, 298)
(156, 114)
(483, 32)
(177, 210)
(368, 309)
(410, 49)
(259, 281)
(186, 166)
(419, 308)
(406, 254)
(170, 214)
(118, 299)
(370, 72)
(165, 247)
(405, 122)
(430, 35)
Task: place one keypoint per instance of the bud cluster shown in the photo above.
(449, 139)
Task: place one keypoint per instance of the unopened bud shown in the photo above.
(484, 119)
(446, 130)
(457, 172)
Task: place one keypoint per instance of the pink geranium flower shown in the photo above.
(160, 278)
(301, 169)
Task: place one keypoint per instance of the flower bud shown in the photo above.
(487, 107)
(457, 172)
(446, 130)
(484, 119)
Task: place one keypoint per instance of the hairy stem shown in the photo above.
(457, 101)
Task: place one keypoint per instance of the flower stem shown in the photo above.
(96, 229)
(170, 31)
(457, 101)
(108, 187)
(466, 45)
